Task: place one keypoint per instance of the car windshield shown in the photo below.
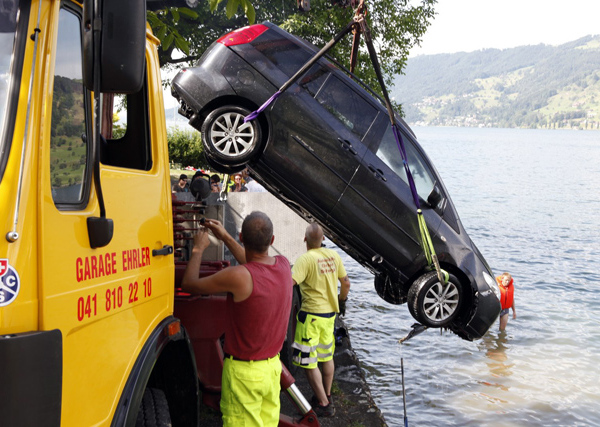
(8, 25)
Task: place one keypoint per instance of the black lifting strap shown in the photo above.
(301, 71)
(360, 19)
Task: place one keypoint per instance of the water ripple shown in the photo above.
(543, 370)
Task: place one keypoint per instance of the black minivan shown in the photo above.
(326, 148)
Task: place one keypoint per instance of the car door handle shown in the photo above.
(377, 173)
(166, 250)
(347, 145)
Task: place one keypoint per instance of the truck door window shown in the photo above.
(68, 133)
(390, 154)
(125, 131)
(13, 23)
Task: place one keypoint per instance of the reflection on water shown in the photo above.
(495, 348)
(530, 201)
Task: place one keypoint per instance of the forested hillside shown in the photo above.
(531, 87)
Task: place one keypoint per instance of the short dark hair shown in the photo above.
(215, 178)
(257, 232)
(183, 176)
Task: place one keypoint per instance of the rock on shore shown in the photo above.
(354, 405)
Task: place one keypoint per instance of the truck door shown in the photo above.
(105, 301)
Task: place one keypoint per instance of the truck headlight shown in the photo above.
(492, 284)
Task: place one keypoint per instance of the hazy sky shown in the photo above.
(468, 25)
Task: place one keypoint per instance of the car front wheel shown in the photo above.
(435, 304)
(227, 139)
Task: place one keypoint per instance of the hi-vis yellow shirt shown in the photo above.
(317, 272)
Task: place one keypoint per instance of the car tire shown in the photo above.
(154, 409)
(388, 289)
(434, 304)
(287, 351)
(227, 139)
(215, 166)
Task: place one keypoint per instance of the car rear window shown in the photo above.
(288, 56)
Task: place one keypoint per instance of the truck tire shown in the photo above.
(154, 410)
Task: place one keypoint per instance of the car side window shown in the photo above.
(69, 153)
(346, 105)
(389, 153)
(314, 79)
(286, 54)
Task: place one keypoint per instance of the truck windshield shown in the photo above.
(9, 15)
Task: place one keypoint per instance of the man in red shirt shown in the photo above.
(259, 300)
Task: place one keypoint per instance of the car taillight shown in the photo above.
(243, 35)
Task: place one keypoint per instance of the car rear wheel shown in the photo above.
(286, 353)
(389, 289)
(435, 304)
(227, 139)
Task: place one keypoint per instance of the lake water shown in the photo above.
(530, 200)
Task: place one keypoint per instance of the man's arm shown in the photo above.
(220, 233)
(236, 280)
(344, 287)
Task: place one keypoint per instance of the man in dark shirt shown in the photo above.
(182, 185)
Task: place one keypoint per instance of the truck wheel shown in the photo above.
(154, 410)
(434, 304)
(227, 139)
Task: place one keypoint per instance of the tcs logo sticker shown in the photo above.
(9, 283)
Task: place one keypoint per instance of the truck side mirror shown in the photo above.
(116, 29)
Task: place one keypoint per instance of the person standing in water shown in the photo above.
(507, 299)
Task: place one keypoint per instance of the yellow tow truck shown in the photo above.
(89, 329)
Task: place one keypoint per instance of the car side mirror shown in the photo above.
(114, 45)
(435, 197)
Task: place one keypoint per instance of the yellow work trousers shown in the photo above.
(250, 392)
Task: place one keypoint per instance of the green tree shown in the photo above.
(185, 147)
(396, 26)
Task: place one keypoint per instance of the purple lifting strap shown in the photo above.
(411, 181)
(255, 114)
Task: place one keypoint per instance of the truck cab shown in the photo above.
(86, 311)
(93, 327)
